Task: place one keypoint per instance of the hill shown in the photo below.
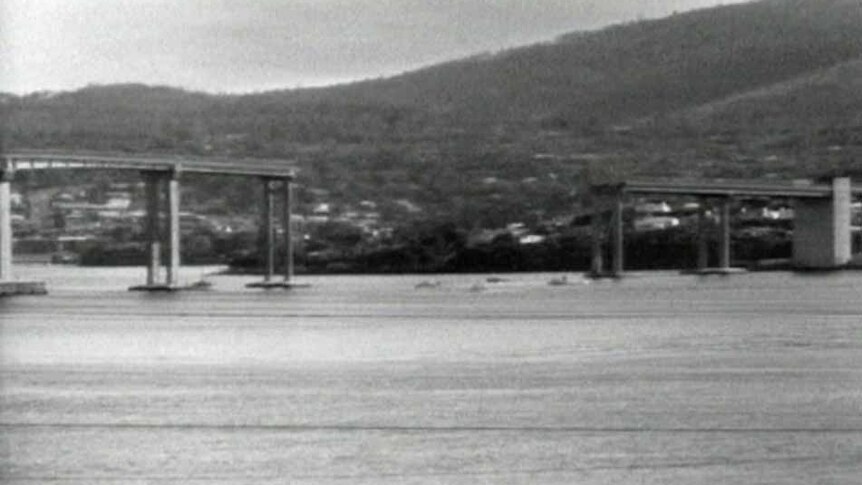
(769, 87)
(640, 68)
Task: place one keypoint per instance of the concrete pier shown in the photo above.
(5, 227)
(821, 229)
(287, 222)
(268, 240)
(724, 241)
(267, 237)
(154, 244)
(161, 236)
(607, 223)
(8, 285)
(172, 198)
(702, 237)
(596, 236)
(618, 246)
(724, 235)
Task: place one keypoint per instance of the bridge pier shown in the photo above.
(596, 233)
(617, 242)
(8, 285)
(607, 218)
(287, 187)
(268, 239)
(159, 236)
(172, 198)
(702, 239)
(724, 240)
(724, 235)
(821, 229)
(154, 244)
(5, 226)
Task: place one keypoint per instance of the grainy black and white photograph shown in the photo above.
(431, 242)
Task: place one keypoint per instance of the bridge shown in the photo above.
(161, 175)
(821, 235)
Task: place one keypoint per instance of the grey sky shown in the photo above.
(249, 45)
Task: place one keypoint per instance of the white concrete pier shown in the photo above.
(287, 207)
(821, 229)
(268, 240)
(160, 235)
(8, 285)
(617, 233)
(607, 220)
(5, 226)
(702, 237)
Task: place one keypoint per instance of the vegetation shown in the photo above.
(770, 88)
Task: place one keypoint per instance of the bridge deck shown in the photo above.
(46, 160)
(730, 188)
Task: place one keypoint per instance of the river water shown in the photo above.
(654, 379)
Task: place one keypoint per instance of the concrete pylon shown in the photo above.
(724, 246)
(821, 229)
(268, 224)
(724, 235)
(596, 229)
(153, 233)
(287, 222)
(162, 233)
(618, 248)
(267, 239)
(702, 237)
(8, 285)
(172, 199)
(5, 225)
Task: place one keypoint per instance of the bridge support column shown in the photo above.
(821, 229)
(5, 227)
(158, 235)
(288, 231)
(154, 244)
(702, 239)
(267, 239)
(8, 285)
(724, 235)
(596, 233)
(172, 198)
(269, 230)
(618, 256)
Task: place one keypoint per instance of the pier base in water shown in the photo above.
(606, 275)
(714, 271)
(266, 285)
(156, 288)
(10, 288)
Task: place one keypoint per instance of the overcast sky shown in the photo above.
(252, 45)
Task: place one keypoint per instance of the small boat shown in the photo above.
(200, 285)
(559, 281)
(428, 284)
(477, 288)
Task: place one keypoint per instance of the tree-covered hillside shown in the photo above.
(769, 87)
